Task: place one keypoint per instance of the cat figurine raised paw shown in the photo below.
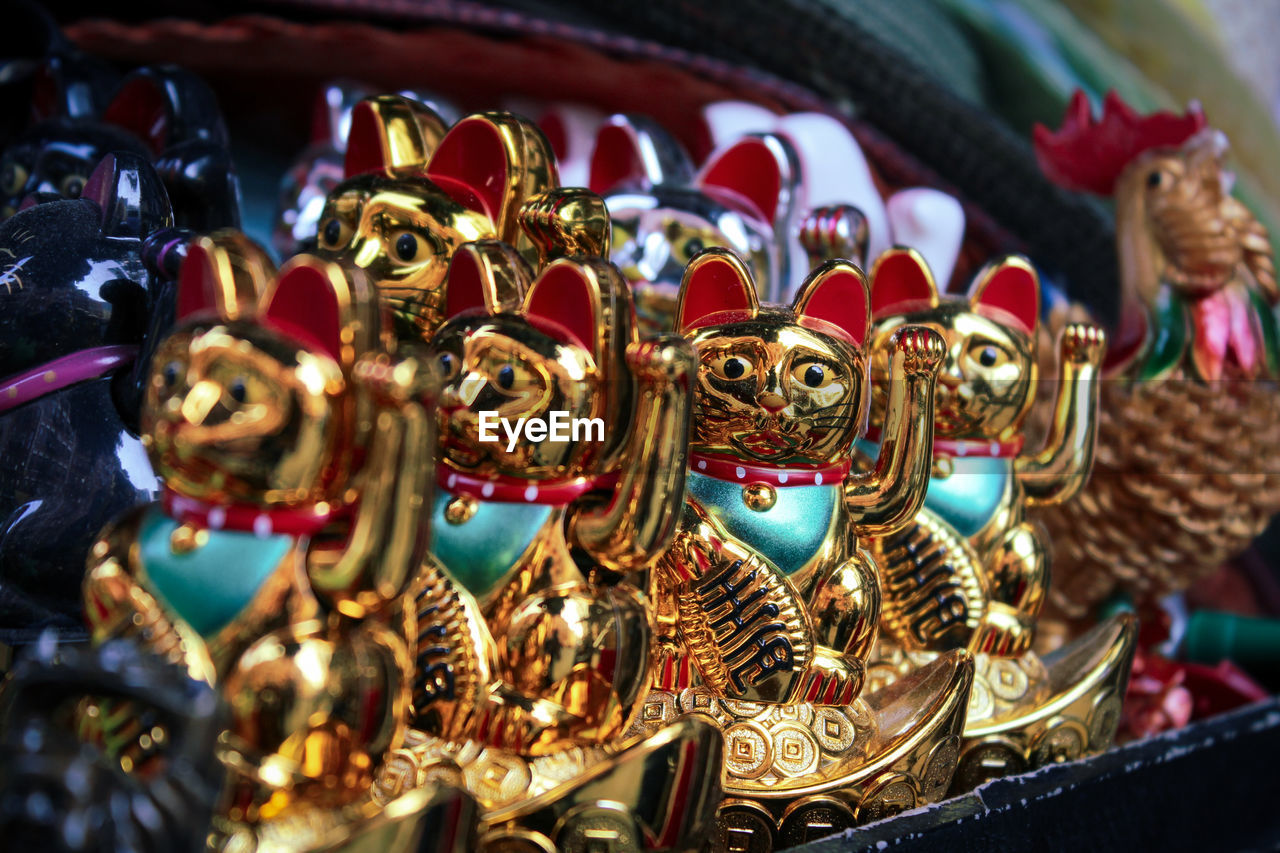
(971, 571)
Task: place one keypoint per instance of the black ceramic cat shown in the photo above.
(163, 114)
(76, 302)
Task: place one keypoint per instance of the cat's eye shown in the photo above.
(170, 374)
(12, 178)
(238, 390)
(813, 375)
(408, 247)
(334, 233)
(447, 363)
(693, 246)
(72, 186)
(1155, 178)
(506, 377)
(732, 367)
(987, 354)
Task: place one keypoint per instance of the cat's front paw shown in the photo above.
(1083, 343)
(922, 350)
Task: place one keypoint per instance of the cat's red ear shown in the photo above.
(837, 293)
(222, 275)
(390, 133)
(311, 300)
(566, 296)
(1009, 288)
(471, 165)
(486, 275)
(715, 282)
(636, 151)
(900, 282)
(759, 172)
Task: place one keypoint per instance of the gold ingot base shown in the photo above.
(1027, 712)
(795, 773)
(655, 792)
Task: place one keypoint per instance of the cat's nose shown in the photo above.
(772, 403)
(200, 400)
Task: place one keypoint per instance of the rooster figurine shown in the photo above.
(1185, 475)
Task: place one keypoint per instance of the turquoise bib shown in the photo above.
(969, 498)
(207, 586)
(480, 551)
(788, 534)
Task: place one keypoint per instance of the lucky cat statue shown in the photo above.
(414, 193)
(296, 458)
(535, 635)
(767, 602)
(971, 571)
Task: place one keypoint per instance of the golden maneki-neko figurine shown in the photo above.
(295, 447)
(535, 634)
(1189, 418)
(971, 571)
(767, 603)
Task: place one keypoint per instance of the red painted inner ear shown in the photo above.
(614, 161)
(364, 143)
(305, 307)
(464, 289)
(748, 169)
(841, 300)
(471, 166)
(557, 135)
(714, 287)
(900, 284)
(140, 107)
(562, 295)
(196, 285)
(1013, 291)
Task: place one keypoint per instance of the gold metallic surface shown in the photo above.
(372, 213)
(983, 591)
(246, 417)
(775, 654)
(539, 667)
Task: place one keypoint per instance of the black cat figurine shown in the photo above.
(76, 306)
(164, 114)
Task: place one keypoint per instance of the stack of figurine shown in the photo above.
(683, 510)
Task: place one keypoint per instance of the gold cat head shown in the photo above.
(987, 382)
(415, 193)
(253, 403)
(523, 349)
(775, 384)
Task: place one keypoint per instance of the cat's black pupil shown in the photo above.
(238, 391)
(507, 377)
(734, 368)
(171, 373)
(692, 247)
(446, 363)
(332, 232)
(814, 375)
(406, 247)
(1153, 179)
(73, 188)
(987, 357)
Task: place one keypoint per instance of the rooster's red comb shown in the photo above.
(1089, 155)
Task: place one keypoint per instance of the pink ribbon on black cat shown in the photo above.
(247, 518)
(62, 373)
(736, 471)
